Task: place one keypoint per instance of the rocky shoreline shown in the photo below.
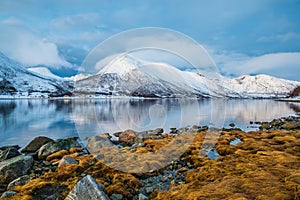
(208, 164)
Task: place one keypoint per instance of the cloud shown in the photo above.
(280, 37)
(11, 21)
(284, 64)
(23, 46)
(77, 22)
(156, 45)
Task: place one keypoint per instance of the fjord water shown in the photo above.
(22, 120)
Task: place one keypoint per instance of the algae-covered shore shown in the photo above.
(262, 164)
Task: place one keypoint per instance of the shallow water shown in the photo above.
(22, 120)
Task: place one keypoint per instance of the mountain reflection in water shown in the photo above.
(22, 120)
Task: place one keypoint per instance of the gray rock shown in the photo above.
(58, 145)
(143, 197)
(35, 144)
(87, 189)
(15, 167)
(116, 197)
(19, 181)
(97, 142)
(264, 126)
(66, 160)
(157, 131)
(9, 153)
(8, 194)
(3, 148)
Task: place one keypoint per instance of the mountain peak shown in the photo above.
(122, 65)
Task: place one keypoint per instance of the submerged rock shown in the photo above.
(87, 189)
(15, 167)
(9, 153)
(35, 144)
(58, 145)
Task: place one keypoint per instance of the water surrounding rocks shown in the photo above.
(240, 165)
(235, 141)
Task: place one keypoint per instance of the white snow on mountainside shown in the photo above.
(131, 77)
(77, 77)
(44, 71)
(16, 81)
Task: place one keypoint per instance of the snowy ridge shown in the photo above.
(16, 81)
(44, 71)
(77, 77)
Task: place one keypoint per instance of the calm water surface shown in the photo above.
(22, 120)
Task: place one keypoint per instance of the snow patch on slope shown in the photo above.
(44, 71)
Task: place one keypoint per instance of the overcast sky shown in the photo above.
(242, 37)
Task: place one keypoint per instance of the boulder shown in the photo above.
(9, 153)
(87, 189)
(58, 145)
(97, 142)
(35, 144)
(128, 137)
(15, 167)
(19, 181)
(67, 160)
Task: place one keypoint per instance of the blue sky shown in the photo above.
(242, 37)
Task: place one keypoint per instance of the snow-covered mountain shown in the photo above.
(259, 86)
(44, 71)
(17, 81)
(131, 77)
